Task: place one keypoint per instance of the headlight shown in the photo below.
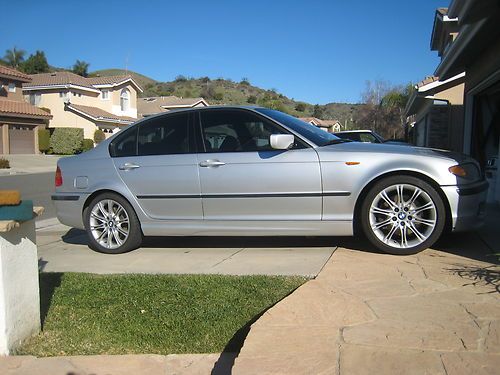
(468, 171)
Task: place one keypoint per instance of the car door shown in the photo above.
(158, 163)
(243, 178)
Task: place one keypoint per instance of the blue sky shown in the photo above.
(316, 51)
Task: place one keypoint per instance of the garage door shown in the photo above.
(21, 139)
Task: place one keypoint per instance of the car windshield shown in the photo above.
(309, 131)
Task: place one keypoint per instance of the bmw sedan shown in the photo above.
(245, 171)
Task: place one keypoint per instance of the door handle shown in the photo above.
(128, 166)
(211, 163)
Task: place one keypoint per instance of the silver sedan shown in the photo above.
(241, 171)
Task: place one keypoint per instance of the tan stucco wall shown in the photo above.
(455, 95)
(4, 89)
(115, 101)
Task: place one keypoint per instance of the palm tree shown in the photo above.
(80, 68)
(14, 57)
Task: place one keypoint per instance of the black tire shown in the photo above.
(134, 238)
(370, 218)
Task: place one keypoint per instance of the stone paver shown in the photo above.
(431, 313)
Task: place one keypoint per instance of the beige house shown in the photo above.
(106, 103)
(158, 104)
(330, 126)
(435, 113)
(19, 121)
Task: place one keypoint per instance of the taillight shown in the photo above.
(58, 180)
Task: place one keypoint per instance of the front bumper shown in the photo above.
(467, 205)
(69, 208)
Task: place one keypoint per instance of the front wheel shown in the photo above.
(112, 225)
(402, 215)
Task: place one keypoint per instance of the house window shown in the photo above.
(105, 94)
(124, 100)
(12, 87)
(35, 99)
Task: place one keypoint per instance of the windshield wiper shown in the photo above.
(336, 141)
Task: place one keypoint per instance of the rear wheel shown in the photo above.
(402, 215)
(112, 225)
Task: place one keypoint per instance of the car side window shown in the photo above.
(237, 131)
(125, 144)
(164, 135)
(367, 138)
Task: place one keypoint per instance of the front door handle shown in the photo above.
(211, 163)
(128, 166)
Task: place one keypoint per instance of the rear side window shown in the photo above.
(125, 144)
(165, 135)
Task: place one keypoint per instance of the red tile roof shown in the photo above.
(100, 114)
(427, 80)
(58, 79)
(13, 74)
(108, 80)
(16, 108)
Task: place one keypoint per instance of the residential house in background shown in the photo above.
(106, 103)
(19, 121)
(435, 113)
(158, 104)
(330, 126)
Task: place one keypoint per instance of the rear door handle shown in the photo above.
(211, 163)
(128, 166)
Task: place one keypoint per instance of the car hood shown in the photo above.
(393, 149)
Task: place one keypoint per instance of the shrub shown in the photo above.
(218, 96)
(99, 136)
(4, 163)
(252, 99)
(301, 107)
(245, 81)
(180, 78)
(87, 144)
(43, 140)
(66, 141)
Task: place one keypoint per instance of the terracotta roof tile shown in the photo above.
(107, 80)
(427, 80)
(13, 74)
(16, 108)
(57, 79)
(100, 114)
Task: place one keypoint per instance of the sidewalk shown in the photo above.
(22, 164)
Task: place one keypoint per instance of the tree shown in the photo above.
(14, 57)
(383, 108)
(252, 99)
(81, 68)
(317, 111)
(245, 81)
(36, 63)
(301, 107)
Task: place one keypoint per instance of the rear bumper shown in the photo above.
(69, 208)
(467, 204)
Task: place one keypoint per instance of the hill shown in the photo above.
(226, 91)
(142, 80)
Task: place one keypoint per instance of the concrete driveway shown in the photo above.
(62, 249)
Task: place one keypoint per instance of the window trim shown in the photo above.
(199, 130)
(10, 85)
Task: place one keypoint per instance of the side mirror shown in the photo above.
(281, 141)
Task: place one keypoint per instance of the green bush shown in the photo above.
(4, 163)
(99, 136)
(43, 140)
(66, 141)
(87, 144)
(252, 99)
(218, 96)
(301, 107)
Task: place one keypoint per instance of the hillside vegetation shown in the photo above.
(225, 91)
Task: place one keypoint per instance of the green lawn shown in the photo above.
(162, 314)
